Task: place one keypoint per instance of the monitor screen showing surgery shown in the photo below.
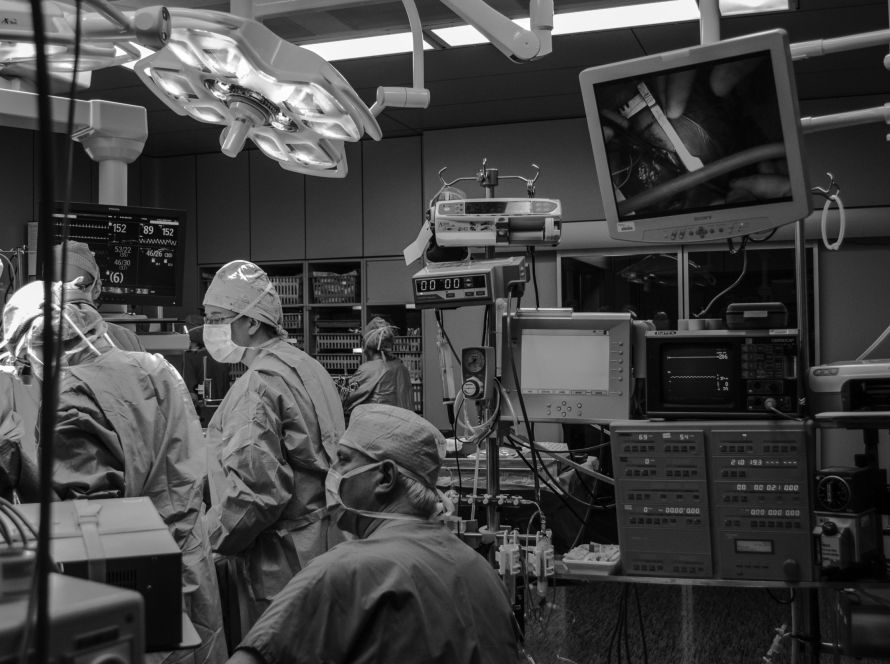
(564, 361)
(695, 138)
(138, 250)
(698, 144)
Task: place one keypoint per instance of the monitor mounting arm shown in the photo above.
(518, 44)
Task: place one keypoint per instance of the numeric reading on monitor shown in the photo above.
(138, 250)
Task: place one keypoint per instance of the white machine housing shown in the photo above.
(860, 385)
(487, 222)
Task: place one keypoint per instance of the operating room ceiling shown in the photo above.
(477, 85)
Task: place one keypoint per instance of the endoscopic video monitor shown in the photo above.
(571, 367)
(140, 251)
(698, 144)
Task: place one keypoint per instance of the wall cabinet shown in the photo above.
(223, 208)
(334, 211)
(393, 203)
(277, 211)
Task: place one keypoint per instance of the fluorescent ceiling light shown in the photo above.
(364, 47)
(650, 13)
(728, 7)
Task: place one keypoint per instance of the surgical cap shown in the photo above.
(379, 335)
(23, 315)
(237, 287)
(79, 256)
(385, 432)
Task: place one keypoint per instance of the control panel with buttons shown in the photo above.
(730, 499)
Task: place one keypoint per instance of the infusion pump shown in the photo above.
(486, 222)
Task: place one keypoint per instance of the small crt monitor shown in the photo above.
(698, 144)
(569, 367)
(722, 373)
(140, 251)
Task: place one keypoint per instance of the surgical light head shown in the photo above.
(232, 71)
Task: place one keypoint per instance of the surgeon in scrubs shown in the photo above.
(407, 591)
(83, 283)
(125, 426)
(271, 442)
(382, 378)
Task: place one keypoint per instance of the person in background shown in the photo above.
(407, 590)
(83, 285)
(125, 426)
(382, 378)
(271, 442)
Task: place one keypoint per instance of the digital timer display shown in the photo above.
(436, 284)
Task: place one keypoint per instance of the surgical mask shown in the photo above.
(218, 342)
(336, 506)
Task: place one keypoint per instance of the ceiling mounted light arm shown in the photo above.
(414, 97)
(106, 38)
(517, 43)
(149, 27)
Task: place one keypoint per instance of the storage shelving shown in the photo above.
(335, 312)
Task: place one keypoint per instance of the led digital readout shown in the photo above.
(438, 284)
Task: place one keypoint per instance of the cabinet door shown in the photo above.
(277, 211)
(223, 208)
(393, 201)
(19, 189)
(334, 211)
(389, 281)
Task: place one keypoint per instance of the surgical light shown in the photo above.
(107, 38)
(234, 71)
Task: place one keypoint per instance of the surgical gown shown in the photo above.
(271, 442)
(11, 434)
(18, 451)
(126, 427)
(379, 381)
(411, 593)
(124, 338)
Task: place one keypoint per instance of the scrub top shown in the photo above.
(271, 442)
(379, 381)
(411, 592)
(127, 427)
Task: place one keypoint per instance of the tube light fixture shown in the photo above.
(233, 71)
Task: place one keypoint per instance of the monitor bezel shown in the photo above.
(614, 403)
(137, 299)
(717, 223)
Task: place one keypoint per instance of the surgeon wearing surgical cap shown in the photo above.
(382, 378)
(271, 442)
(125, 426)
(83, 285)
(407, 590)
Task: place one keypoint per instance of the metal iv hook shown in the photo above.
(833, 188)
